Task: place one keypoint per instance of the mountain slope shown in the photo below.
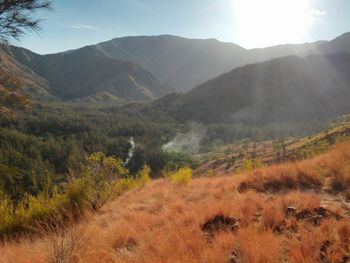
(86, 72)
(183, 63)
(32, 82)
(186, 63)
(284, 89)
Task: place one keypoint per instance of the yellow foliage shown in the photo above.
(247, 164)
(101, 179)
(181, 176)
(250, 164)
(18, 217)
(140, 180)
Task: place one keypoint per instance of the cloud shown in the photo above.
(315, 12)
(83, 27)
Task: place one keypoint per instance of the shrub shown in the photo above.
(140, 180)
(98, 182)
(250, 164)
(143, 176)
(17, 218)
(181, 176)
(100, 178)
(247, 164)
(77, 193)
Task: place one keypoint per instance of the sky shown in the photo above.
(248, 23)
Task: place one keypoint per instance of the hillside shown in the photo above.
(294, 212)
(284, 89)
(83, 73)
(185, 63)
(249, 154)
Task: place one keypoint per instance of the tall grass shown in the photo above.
(329, 171)
(162, 222)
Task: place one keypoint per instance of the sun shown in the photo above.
(261, 23)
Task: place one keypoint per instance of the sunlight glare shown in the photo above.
(269, 22)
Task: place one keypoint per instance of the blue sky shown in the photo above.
(249, 23)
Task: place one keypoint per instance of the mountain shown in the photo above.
(185, 63)
(143, 67)
(337, 45)
(284, 89)
(82, 73)
(181, 62)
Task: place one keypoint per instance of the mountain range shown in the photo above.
(265, 83)
(284, 89)
(185, 63)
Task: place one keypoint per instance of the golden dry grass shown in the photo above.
(162, 221)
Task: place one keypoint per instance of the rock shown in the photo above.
(320, 211)
(315, 215)
(290, 211)
(303, 214)
(220, 223)
(243, 187)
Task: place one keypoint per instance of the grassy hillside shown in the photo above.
(247, 153)
(293, 212)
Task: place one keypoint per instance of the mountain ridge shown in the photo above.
(144, 67)
(85, 72)
(282, 89)
(185, 63)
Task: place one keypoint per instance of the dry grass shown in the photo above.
(162, 221)
(329, 171)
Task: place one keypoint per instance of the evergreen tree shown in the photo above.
(17, 17)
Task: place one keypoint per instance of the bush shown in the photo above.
(181, 176)
(250, 164)
(101, 179)
(17, 218)
(140, 180)
(77, 194)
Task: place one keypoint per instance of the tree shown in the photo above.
(16, 17)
